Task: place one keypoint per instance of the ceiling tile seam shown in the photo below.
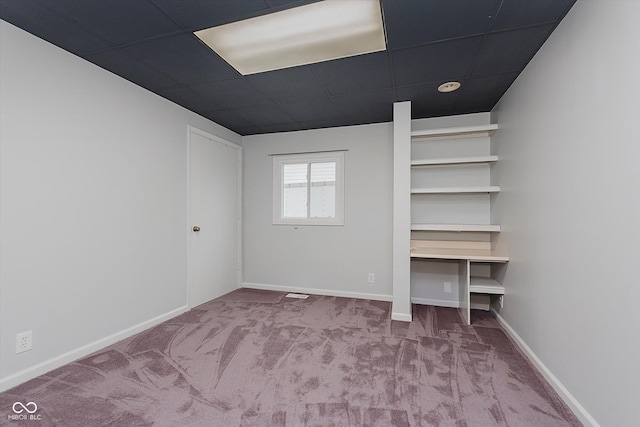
(73, 22)
(475, 56)
(471, 36)
(150, 66)
(435, 84)
(362, 92)
(266, 10)
(435, 42)
(244, 123)
(326, 90)
(292, 119)
(320, 81)
(111, 43)
(392, 68)
(343, 114)
(167, 15)
(244, 106)
(275, 102)
(251, 85)
(553, 23)
(140, 41)
(458, 102)
(185, 27)
(516, 70)
(146, 64)
(496, 15)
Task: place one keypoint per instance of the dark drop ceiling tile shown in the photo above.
(307, 109)
(198, 14)
(30, 16)
(185, 58)
(289, 83)
(231, 93)
(185, 96)
(367, 107)
(313, 124)
(520, 13)
(414, 22)
(288, 3)
(263, 115)
(119, 21)
(228, 119)
(483, 92)
(355, 74)
(509, 50)
(444, 61)
(125, 65)
(426, 101)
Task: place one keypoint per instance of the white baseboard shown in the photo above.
(314, 291)
(436, 302)
(575, 406)
(53, 363)
(403, 317)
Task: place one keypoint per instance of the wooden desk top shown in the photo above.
(473, 251)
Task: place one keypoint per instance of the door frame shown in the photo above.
(193, 130)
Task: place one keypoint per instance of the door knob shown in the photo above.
(196, 228)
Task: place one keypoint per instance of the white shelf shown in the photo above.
(456, 190)
(479, 130)
(487, 228)
(455, 161)
(485, 285)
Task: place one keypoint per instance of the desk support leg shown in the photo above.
(464, 295)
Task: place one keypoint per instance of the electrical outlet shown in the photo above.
(372, 278)
(447, 287)
(24, 341)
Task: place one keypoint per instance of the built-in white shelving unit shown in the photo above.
(427, 168)
(451, 180)
(443, 190)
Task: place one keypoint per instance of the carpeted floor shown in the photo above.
(255, 358)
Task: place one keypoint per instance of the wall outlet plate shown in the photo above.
(372, 278)
(447, 287)
(24, 341)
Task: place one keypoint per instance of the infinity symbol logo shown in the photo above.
(22, 407)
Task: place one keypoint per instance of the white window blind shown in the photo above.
(308, 189)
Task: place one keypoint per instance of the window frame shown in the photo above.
(280, 160)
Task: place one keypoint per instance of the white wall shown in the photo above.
(570, 206)
(93, 204)
(322, 259)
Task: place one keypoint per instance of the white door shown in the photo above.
(214, 217)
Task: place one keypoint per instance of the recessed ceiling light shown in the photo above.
(448, 87)
(316, 32)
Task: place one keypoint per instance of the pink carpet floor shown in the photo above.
(256, 358)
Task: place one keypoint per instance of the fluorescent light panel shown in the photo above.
(316, 32)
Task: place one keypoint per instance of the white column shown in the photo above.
(401, 308)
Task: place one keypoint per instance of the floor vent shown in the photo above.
(298, 296)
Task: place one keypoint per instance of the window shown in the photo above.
(308, 189)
